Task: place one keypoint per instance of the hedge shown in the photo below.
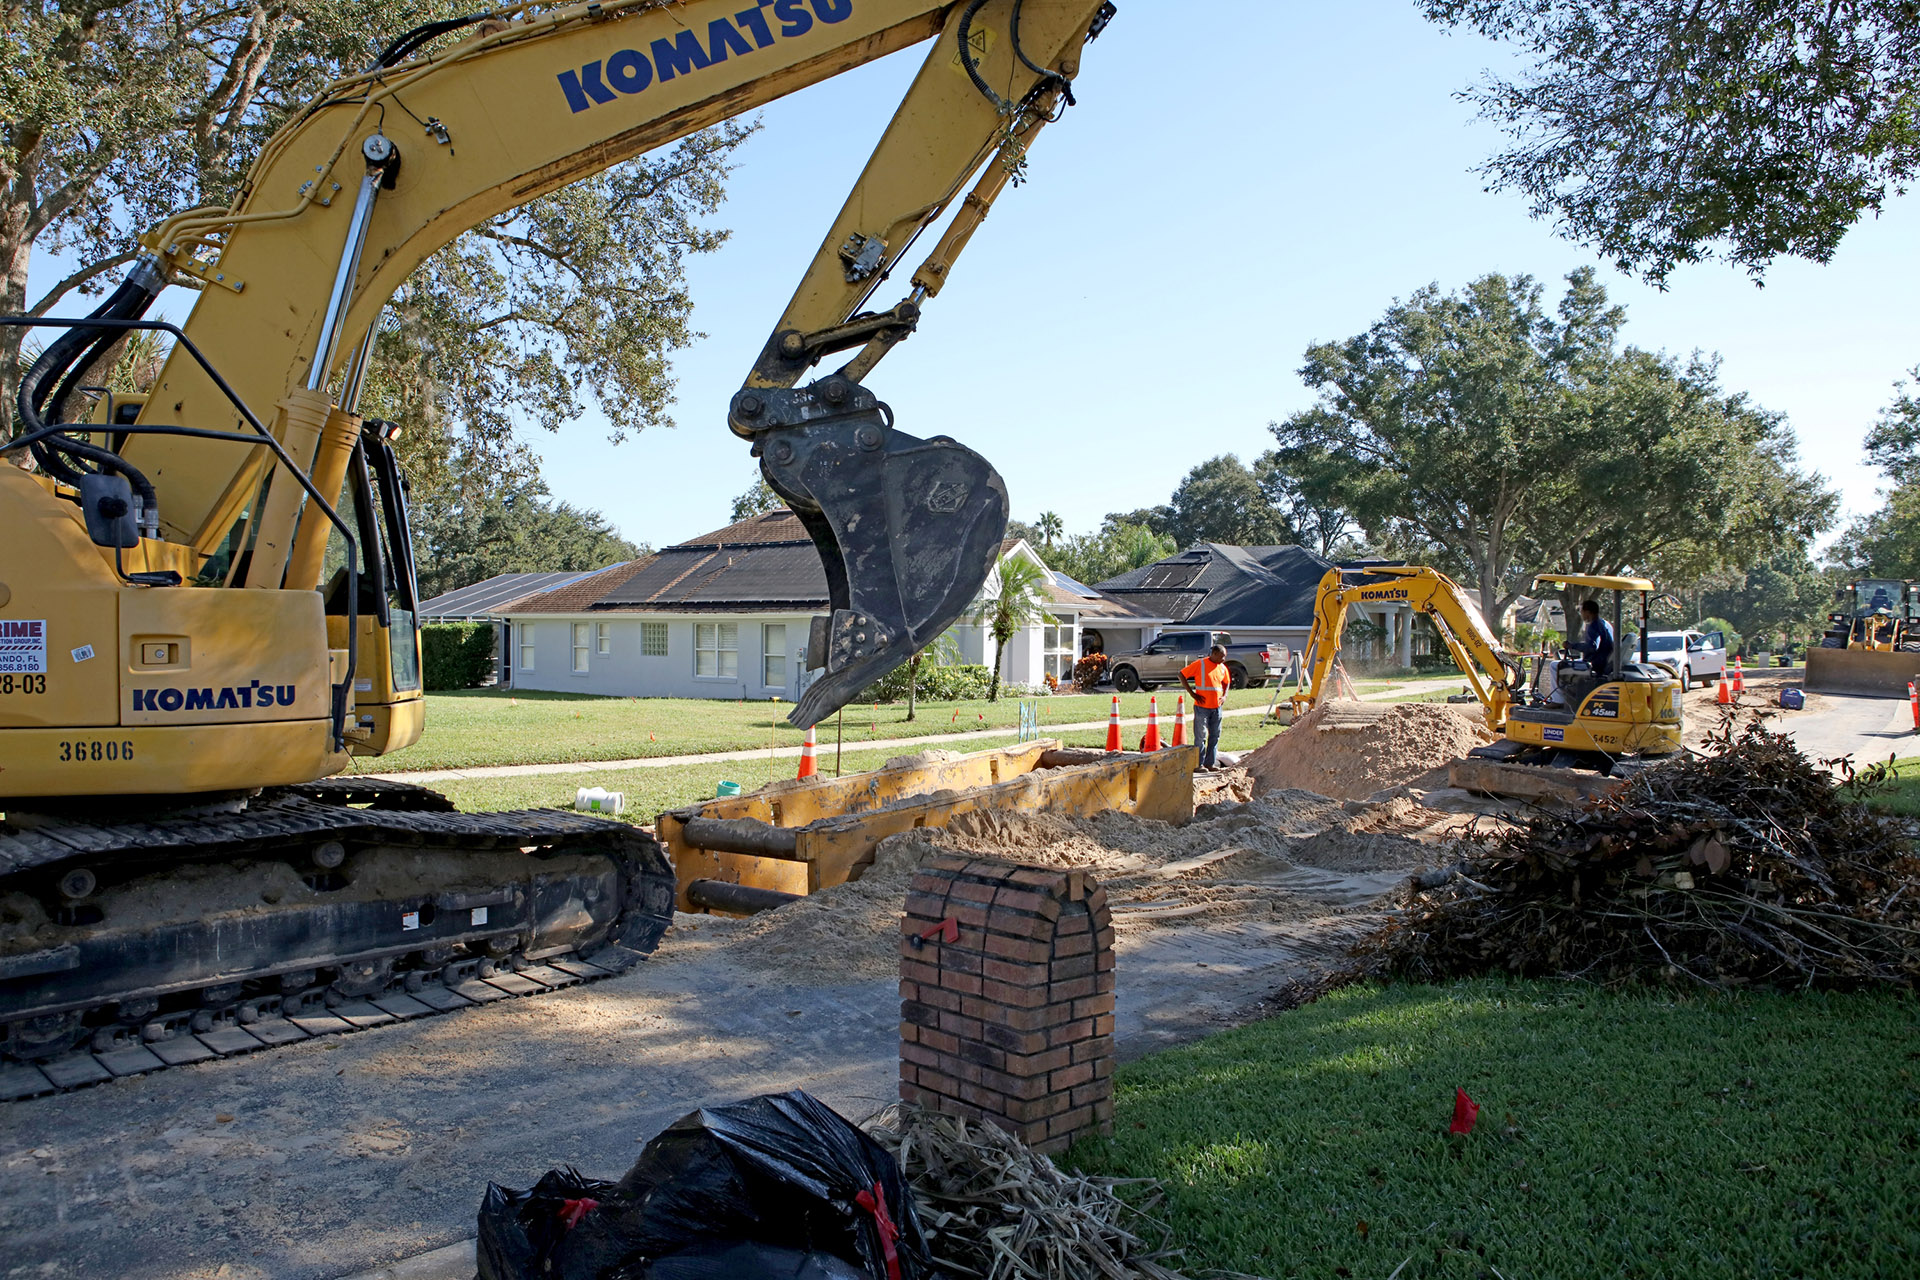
(936, 684)
(456, 655)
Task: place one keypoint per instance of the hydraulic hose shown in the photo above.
(56, 374)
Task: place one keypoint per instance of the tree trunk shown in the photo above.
(999, 657)
(913, 680)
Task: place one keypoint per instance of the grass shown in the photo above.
(649, 791)
(1904, 797)
(500, 727)
(1641, 1134)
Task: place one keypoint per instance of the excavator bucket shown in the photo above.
(907, 529)
(1864, 672)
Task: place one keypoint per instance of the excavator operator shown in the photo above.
(1596, 640)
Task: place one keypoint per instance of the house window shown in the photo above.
(526, 646)
(579, 648)
(1057, 638)
(716, 650)
(603, 638)
(773, 655)
(653, 639)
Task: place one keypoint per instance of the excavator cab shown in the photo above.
(1632, 706)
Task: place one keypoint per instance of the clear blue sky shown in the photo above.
(1241, 179)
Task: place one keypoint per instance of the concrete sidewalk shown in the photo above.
(427, 776)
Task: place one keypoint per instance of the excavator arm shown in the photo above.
(384, 168)
(1491, 671)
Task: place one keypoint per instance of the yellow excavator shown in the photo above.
(1583, 716)
(182, 677)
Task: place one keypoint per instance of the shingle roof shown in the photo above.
(778, 525)
(1218, 585)
(485, 597)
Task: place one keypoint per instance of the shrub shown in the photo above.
(958, 683)
(456, 655)
(1089, 671)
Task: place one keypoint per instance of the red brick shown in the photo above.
(967, 891)
(1070, 1122)
(1005, 1037)
(1018, 924)
(938, 1041)
(1071, 989)
(1064, 967)
(984, 1054)
(909, 1033)
(1103, 962)
(919, 1013)
(1049, 1146)
(909, 991)
(1103, 937)
(1036, 1064)
(1096, 900)
(1076, 886)
(969, 915)
(918, 971)
(945, 862)
(910, 1092)
(1074, 920)
(984, 1098)
(1036, 1110)
(1035, 1017)
(966, 984)
(965, 1072)
(956, 959)
(1094, 1006)
(921, 1056)
(1034, 878)
(1025, 1088)
(957, 1024)
(1103, 1025)
(1014, 995)
(1023, 1132)
(1073, 944)
(1097, 1047)
(1103, 1068)
(1102, 922)
(1012, 897)
(939, 997)
(1022, 951)
(954, 1107)
(925, 904)
(1092, 1093)
(1103, 982)
(1023, 975)
(1103, 1111)
(1066, 1077)
(937, 1082)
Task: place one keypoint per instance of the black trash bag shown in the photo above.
(520, 1230)
(783, 1172)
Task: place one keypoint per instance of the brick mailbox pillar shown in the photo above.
(1006, 999)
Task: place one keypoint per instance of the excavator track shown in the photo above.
(129, 946)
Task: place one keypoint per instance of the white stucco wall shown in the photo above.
(626, 672)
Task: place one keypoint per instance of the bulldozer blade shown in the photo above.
(1867, 672)
(907, 530)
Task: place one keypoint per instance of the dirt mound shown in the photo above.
(1350, 750)
(1289, 854)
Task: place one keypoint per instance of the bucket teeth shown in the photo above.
(907, 531)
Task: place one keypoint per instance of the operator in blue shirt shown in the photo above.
(1596, 639)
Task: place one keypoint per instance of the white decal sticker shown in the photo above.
(84, 652)
(409, 920)
(364, 685)
(479, 915)
(23, 647)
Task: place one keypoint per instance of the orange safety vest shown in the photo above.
(1210, 680)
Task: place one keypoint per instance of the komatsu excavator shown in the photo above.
(181, 678)
(1588, 717)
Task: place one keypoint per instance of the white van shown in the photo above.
(1696, 657)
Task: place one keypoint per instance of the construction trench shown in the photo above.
(342, 1154)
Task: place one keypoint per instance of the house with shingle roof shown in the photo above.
(726, 614)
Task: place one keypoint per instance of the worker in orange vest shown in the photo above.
(1207, 680)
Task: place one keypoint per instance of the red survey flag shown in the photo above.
(1465, 1112)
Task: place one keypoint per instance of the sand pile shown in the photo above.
(1289, 854)
(1349, 751)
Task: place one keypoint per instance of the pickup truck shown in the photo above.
(1159, 663)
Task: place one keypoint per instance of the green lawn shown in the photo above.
(1904, 798)
(1640, 1134)
(652, 790)
(489, 727)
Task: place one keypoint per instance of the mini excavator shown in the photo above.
(1585, 717)
(183, 668)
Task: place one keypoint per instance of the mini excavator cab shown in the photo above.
(1632, 707)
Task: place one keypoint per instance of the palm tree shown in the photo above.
(943, 652)
(1050, 526)
(1017, 604)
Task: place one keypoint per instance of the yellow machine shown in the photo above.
(207, 593)
(1491, 671)
(1587, 716)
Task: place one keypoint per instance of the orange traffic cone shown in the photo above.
(1152, 741)
(1113, 725)
(1723, 694)
(1913, 699)
(807, 766)
(1739, 678)
(1180, 722)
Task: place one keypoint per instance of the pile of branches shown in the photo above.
(1748, 865)
(993, 1207)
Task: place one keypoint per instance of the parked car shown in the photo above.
(1697, 657)
(1250, 665)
